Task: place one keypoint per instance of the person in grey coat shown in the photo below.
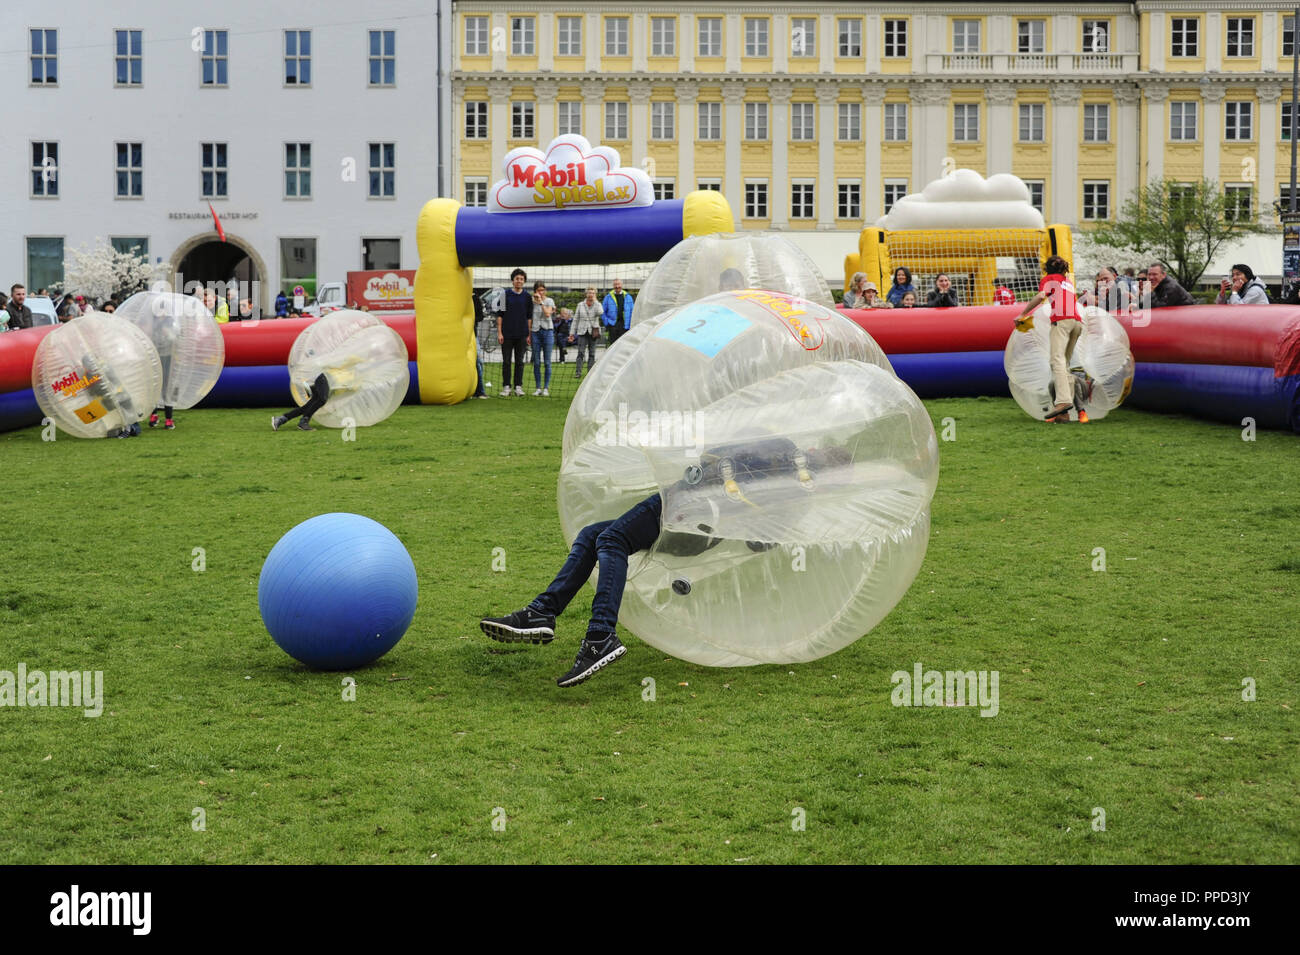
(1242, 288)
(585, 330)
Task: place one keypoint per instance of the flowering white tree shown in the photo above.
(101, 272)
(1090, 255)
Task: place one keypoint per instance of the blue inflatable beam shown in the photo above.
(967, 374)
(1225, 393)
(267, 386)
(18, 409)
(569, 236)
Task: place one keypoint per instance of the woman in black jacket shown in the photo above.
(943, 295)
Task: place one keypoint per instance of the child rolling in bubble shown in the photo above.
(338, 379)
(1057, 287)
(609, 544)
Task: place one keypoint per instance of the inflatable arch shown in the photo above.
(971, 251)
(452, 239)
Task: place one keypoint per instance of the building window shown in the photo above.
(1096, 200)
(522, 36)
(710, 32)
(381, 254)
(45, 169)
(663, 189)
(616, 36)
(1238, 121)
(131, 245)
(476, 119)
(1184, 37)
(966, 123)
(616, 122)
(1286, 122)
(849, 200)
(662, 120)
(476, 35)
(1182, 122)
(213, 170)
(895, 189)
(710, 121)
(297, 170)
(128, 59)
(895, 38)
(1031, 122)
(215, 58)
(1096, 122)
(570, 117)
(297, 57)
(383, 170)
(1241, 36)
(663, 36)
(476, 193)
(803, 121)
(850, 124)
(298, 264)
(756, 36)
(45, 59)
(755, 200)
(1031, 36)
(965, 36)
(755, 121)
(44, 262)
(522, 122)
(1096, 36)
(383, 57)
(1239, 202)
(801, 200)
(129, 170)
(1035, 193)
(569, 36)
(1288, 36)
(709, 185)
(850, 31)
(803, 36)
(1284, 194)
(895, 122)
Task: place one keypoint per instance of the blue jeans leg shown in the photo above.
(543, 342)
(609, 544)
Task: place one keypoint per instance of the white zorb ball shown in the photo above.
(187, 338)
(96, 374)
(700, 266)
(364, 361)
(1101, 352)
(796, 472)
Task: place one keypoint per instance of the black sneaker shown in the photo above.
(522, 626)
(277, 421)
(304, 424)
(592, 655)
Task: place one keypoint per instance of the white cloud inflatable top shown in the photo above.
(571, 174)
(966, 200)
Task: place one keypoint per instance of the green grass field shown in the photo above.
(1119, 690)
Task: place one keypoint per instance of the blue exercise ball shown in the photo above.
(338, 591)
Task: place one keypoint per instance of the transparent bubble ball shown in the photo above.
(700, 266)
(1101, 353)
(796, 472)
(364, 361)
(96, 375)
(188, 341)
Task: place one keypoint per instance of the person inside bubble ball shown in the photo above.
(1057, 287)
(737, 468)
(337, 379)
(731, 280)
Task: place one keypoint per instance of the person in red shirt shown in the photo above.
(1003, 295)
(1057, 288)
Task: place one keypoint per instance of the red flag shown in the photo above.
(220, 231)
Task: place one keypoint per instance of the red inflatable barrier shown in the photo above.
(920, 330)
(17, 352)
(1265, 336)
(267, 342)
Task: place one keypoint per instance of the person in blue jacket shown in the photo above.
(902, 285)
(618, 311)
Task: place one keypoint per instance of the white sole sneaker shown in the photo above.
(546, 392)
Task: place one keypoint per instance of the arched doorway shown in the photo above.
(206, 259)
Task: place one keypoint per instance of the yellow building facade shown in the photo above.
(818, 116)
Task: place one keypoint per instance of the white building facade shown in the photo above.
(315, 135)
